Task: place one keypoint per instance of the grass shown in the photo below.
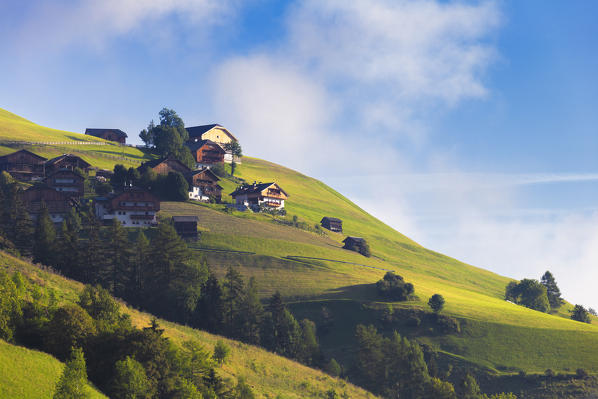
(26, 373)
(269, 375)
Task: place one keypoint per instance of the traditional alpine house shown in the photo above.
(68, 182)
(203, 185)
(57, 203)
(332, 224)
(215, 133)
(133, 207)
(165, 165)
(186, 226)
(255, 195)
(206, 153)
(116, 135)
(23, 165)
(66, 161)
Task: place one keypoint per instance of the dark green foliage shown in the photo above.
(210, 308)
(93, 251)
(139, 268)
(14, 218)
(69, 256)
(130, 380)
(73, 381)
(579, 313)
(469, 388)
(10, 307)
(105, 311)
(237, 152)
(221, 352)
(175, 187)
(552, 290)
(333, 368)
(251, 315)
(234, 291)
(436, 302)
(44, 238)
(529, 293)
(242, 390)
(439, 389)
(119, 178)
(392, 287)
(70, 327)
(117, 275)
(309, 350)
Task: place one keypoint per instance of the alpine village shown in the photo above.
(182, 269)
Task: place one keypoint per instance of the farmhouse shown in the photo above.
(186, 226)
(66, 161)
(206, 153)
(116, 135)
(23, 165)
(165, 165)
(133, 207)
(332, 224)
(215, 133)
(203, 185)
(254, 195)
(68, 182)
(57, 203)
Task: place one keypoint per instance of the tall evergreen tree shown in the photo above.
(168, 253)
(552, 290)
(117, 274)
(252, 313)
(73, 381)
(44, 246)
(234, 291)
(93, 252)
(209, 313)
(139, 261)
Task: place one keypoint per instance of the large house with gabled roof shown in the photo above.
(215, 133)
(24, 165)
(256, 195)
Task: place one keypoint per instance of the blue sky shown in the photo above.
(473, 123)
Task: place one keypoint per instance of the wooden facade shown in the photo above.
(116, 135)
(270, 195)
(23, 165)
(57, 203)
(66, 161)
(206, 152)
(68, 182)
(207, 184)
(163, 166)
(332, 224)
(186, 226)
(133, 207)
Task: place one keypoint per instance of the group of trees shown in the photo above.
(541, 295)
(100, 343)
(168, 137)
(170, 187)
(395, 367)
(394, 288)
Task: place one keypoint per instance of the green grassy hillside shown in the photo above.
(269, 375)
(13, 128)
(20, 367)
(495, 334)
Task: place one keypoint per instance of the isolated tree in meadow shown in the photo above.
(552, 290)
(436, 302)
(579, 313)
(221, 352)
(73, 381)
(529, 293)
(237, 152)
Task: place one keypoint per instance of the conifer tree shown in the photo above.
(234, 291)
(139, 261)
(118, 258)
(210, 309)
(69, 250)
(168, 253)
(252, 313)
(73, 381)
(552, 290)
(44, 246)
(93, 252)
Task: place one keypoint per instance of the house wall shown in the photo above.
(217, 135)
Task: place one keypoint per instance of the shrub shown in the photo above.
(447, 324)
(436, 302)
(333, 368)
(221, 352)
(580, 313)
(69, 328)
(393, 287)
(529, 293)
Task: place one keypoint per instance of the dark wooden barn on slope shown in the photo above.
(332, 224)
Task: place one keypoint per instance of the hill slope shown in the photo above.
(495, 334)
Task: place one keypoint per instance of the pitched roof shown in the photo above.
(155, 162)
(97, 132)
(185, 219)
(204, 170)
(198, 131)
(64, 156)
(254, 188)
(196, 145)
(28, 152)
(356, 239)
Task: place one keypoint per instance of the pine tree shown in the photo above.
(252, 313)
(169, 251)
(69, 258)
(552, 290)
(117, 274)
(139, 261)
(73, 381)
(234, 291)
(44, 246)
(209, 312)
(93, 251)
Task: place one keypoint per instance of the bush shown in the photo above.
(447, 324)
(69, 328)
(436, 302)
(393, 287)
(579, 313)
(221, 352)
(333, 368)
(529, 293)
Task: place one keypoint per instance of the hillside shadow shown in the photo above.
(359, 292)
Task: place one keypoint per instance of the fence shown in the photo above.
(59, 144)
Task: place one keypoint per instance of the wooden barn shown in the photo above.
(206, 153)
(116, 135)
(58, 203)
(215, 133)
(163, 166)
(66, 161)
(353, 242)
(203, 185)
(186, 226)
(67, 182)
(332, 224)
(133, 207)
(270, 195)
(23, 165)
